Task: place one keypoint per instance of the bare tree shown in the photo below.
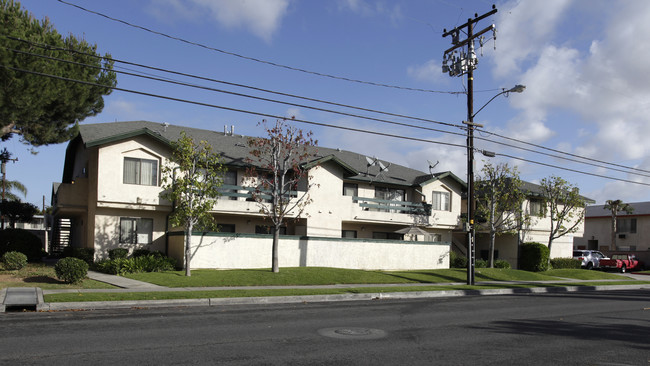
(616, 206)
(277, 167)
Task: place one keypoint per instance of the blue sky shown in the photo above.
(583, 63)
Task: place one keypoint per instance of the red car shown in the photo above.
(621, 262)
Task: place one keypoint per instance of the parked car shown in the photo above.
(590, 258)
(622, 262)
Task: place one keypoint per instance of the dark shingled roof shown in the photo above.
(234, 150)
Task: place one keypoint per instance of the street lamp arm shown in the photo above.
(516, 89)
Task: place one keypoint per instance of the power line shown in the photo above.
(231, 109)
(179, 73)
(167, 80)
(558, 151)
(571, 170)
(311, 122)
(244, 95)
(275, 64)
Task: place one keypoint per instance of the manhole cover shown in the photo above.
(352, 333)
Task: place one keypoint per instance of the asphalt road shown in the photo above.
(595, 328)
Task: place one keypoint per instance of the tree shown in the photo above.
(616, 206)
(500, 202)
(44, 110)
(565, 206)
(191, 182)
(278, 166)
(16, 211)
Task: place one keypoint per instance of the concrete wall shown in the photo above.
(222, 251)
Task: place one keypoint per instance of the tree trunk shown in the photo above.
(188, 249)
(491, 257)
(276, 241)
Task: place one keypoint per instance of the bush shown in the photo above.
(71, 270)
(118, 253)
(85, 254)
(480, 263)
(534, 257)
(500, 263)
(456, 260)
(19, 240)
(140, 253)
(565, 263)
(146, 263)
(13, 261)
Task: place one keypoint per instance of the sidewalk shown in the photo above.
(10, 297)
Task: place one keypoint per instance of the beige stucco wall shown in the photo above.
(224, 252)
(600, 229)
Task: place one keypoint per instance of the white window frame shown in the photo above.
(139, 230)
(138, 176)
(438, 203)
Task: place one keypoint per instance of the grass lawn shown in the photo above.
(43, 276)
(329, 276)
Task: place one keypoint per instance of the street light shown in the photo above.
(515, 89)
(471, 235)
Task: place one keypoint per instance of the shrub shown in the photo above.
(565, 263)
(500, 263)
(534, 257)
(19, 240)
(146, 263)
(118, 253)
(14, 260)
(456, 260)
(71, 270)
(85, 254)
(480, 263)
(140, 253)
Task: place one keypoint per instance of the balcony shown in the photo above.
(400, 207)
(72, 196)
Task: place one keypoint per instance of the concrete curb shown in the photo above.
(99, 305)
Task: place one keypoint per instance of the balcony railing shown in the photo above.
(228, 190)
(403, 207)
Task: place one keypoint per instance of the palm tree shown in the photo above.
(11, 187)
(616, 206)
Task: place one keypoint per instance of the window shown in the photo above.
(536, 207)
(433, 237)
(384, 235)
(441, 201)
(141, 171)
(265, 229)
(226, 228)
(230, 179)
(350, 189)
(349, 234)
(626, 226)
(389, 194)
(135, 230)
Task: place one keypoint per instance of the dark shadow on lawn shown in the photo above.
(43, 279)
(435, 278)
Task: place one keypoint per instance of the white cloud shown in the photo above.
(260, 17)
(372, 8)
(522, 27)
(430, 71)
(575, 85)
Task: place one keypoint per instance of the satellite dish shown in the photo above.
(371, 161)
(382, 167)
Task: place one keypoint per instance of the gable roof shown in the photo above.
(234, 150)
(598, 211)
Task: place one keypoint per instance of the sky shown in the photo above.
(583, 62)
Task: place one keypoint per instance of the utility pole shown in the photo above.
(464, 62)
